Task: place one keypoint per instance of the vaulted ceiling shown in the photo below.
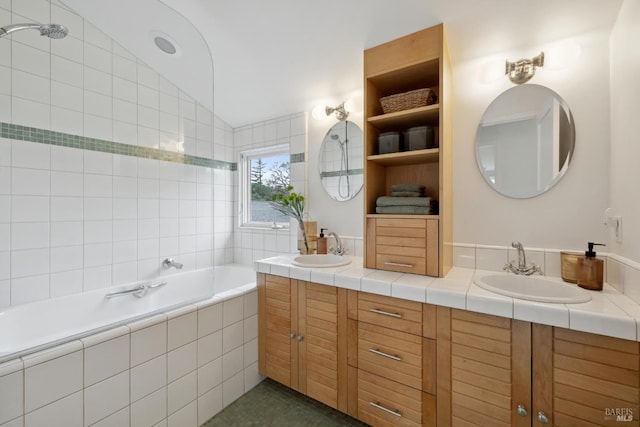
(277, 57)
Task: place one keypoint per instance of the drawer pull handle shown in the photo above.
(398, 264)
(382, 408)
(386, 313)
(382, 353)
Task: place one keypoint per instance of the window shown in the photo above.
(263, 172)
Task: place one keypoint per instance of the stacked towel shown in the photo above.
(406, 199)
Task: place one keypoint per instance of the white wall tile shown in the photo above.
(66, 412)
(106, 397)
(149, 410)
(66, 283)
(232, 389)
(148, 377)
(66, 71)
(32, 182)
(71, 209)
(119, 419)
(52, 380)
(232, 336)
(67, 159)
(66, 233)
(29, 262)
(31, 235)
(209, 404)
(11, 390)
(30, 155)
(30, 86)
(182, 330)
(185, 417)
(209, 348)
(148, 343)
(181, 361)
(96, 57)
(66, 258)
(106, 359)
(182, 391)
(96, 277)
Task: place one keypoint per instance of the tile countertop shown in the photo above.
(608, 313)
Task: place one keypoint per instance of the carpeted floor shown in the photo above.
(272, 404)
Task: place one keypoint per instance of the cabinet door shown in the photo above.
(322, 326)
(596, 381)
(277, 310)
(490, 372)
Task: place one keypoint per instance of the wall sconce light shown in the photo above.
(521, 71)
(341, 113)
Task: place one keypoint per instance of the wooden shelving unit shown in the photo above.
(418, 60)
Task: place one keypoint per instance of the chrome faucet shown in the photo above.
(170, 262)
(521, 268)
(339, 249)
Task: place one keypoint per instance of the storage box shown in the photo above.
(389, 142)
(420, 138)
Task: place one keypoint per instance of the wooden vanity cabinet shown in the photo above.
(505, 372)
(302, 337)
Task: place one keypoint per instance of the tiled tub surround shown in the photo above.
(177, 368)
(74, 218)
(610, 312)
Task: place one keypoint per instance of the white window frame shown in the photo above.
(244, 177)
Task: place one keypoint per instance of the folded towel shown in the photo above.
(407, 194)
(403, 201)
(407, 187)
(406, 210)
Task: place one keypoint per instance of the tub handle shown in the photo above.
(156, 285)
(139, 291)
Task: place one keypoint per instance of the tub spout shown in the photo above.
(170, 262)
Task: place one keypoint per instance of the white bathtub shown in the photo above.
(36, 326)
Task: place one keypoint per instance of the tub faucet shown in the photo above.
(170, 262)
(339, 249)
(521, 269)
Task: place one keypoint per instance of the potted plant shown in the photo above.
(292, 204)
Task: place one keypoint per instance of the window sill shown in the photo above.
(264, 226)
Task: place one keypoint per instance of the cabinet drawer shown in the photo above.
(391, 354)
(401, 263)
(394, 313)
(382, 402)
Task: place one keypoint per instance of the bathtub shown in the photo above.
(36, 326)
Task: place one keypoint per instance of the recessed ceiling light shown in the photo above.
(165, 43)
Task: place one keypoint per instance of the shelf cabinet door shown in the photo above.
(490, 371)
(277, 310)
(596, 380)
(302, 337)
(322, 350)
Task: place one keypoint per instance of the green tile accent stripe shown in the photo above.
(42, 136)
(339, 173)
(296, 158)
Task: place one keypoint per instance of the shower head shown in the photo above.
(53, 31)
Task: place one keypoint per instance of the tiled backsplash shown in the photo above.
(106, 167)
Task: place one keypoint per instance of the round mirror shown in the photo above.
(525, 141)
(340, 161)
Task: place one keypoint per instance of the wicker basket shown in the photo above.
(405, 101)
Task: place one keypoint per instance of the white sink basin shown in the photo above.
(533, 288)
(315, 261)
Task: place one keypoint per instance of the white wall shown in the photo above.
(568, 215)
(625, 111)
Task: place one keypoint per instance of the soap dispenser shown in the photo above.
(589, 269)
(322, 242)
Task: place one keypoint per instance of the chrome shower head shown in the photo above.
(53, 31)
